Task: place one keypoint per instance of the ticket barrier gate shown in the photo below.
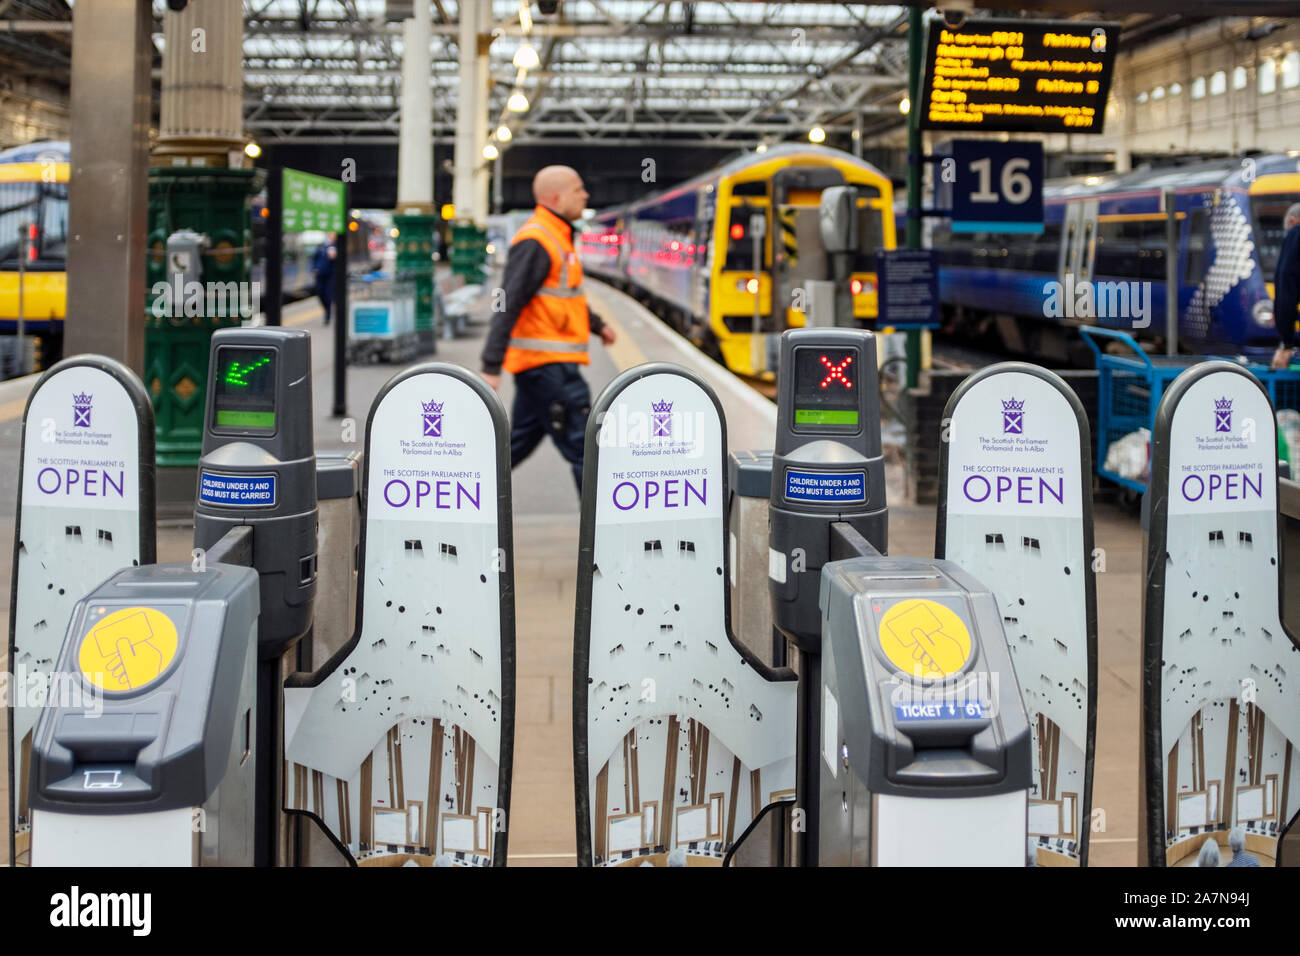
(256, 508)
(258, 487)
(1220, 718)
(911, 718)
(909, 745)
(85, 510)
(148, 761)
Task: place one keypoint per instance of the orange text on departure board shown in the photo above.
(995, 62)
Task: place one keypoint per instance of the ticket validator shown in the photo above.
(257, 496)
(143, 754)
(913, 741)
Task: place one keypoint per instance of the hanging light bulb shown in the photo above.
(490, 152)
(816, 135)
(526, 57)
(518, 103)
(904, 105)
(504, 134)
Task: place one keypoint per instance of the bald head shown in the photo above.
(560, 189)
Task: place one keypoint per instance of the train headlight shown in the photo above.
(751, 286)
(855, 287)
(1262, 313)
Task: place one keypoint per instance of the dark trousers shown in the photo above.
(550, 399)
(326, 296)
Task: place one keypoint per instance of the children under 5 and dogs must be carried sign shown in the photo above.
(236, 490)
(825, 486)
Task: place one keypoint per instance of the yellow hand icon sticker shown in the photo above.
(128, 649)
(924, 639)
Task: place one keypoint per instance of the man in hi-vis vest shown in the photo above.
(542, 336)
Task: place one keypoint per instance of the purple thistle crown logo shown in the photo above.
(1013, 417)
(1223, 414)
(432, 419)
(81, 405)
(661, 419)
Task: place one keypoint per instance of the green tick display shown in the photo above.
(245, 388)
(236, 375)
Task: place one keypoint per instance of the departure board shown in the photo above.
(1018, 76)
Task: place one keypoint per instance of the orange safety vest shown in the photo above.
(554, 325)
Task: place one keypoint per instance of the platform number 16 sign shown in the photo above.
(998, 187)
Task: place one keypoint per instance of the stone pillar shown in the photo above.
(414, 217)
(200, 181)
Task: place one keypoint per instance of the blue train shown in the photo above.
(1100, 260)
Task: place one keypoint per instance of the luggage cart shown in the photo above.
(1131, 384)
(381, 319)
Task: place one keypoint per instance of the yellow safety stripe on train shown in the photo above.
(34, 172)
(1276, 183)
(45, 295)
(786, 216)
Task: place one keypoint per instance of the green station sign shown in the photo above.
(312, 203)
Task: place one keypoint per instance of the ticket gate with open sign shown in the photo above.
(144, 755)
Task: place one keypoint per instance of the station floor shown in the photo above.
(546, 518)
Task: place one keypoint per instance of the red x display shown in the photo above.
(836, 372)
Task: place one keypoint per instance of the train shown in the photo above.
(689, 252)
(34, 201)
(34, 197)
(1100, 260)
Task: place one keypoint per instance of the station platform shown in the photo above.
(546, 525)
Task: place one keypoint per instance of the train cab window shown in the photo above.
(43, 205)
(740, 244)
(19, 205)
(756, 188)
(1268, 213)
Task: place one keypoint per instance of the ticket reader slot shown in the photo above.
(144, 754)
(925, 743)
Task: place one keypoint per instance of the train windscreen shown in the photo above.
(44, 205)
(740, 242)
(1268, 212)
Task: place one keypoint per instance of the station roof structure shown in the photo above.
(724, 73)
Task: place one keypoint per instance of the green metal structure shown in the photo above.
(415, 261)
(217, 204)
(468, 251)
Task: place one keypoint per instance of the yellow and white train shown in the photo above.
(723, 258)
